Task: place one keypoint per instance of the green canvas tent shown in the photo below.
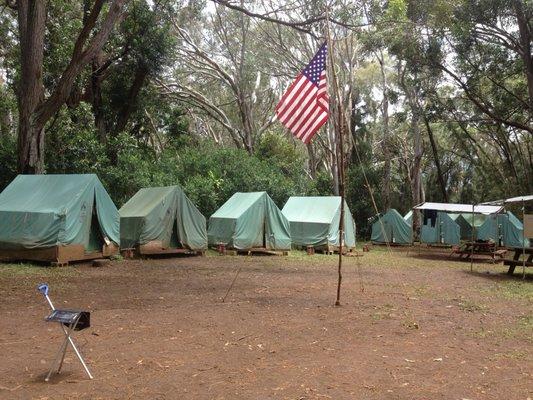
(315, 221)
(465, 222)
(162, 219)
(71, 214)
(439, 228)
(505, 229)
(391, 228)
(409, 218)
(249, 220)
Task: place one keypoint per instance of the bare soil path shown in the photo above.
(410, 327)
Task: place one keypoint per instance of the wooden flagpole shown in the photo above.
(338, 125)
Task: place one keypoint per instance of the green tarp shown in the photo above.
(250, 220)
(465, 224)
(315, 221)
(439, 228)
(391, 228)
(504, 229)
(38, 211)
(162, 214)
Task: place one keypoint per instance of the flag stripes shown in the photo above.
(304, 107)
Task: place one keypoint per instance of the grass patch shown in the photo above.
(513, 355)
(509, 289)
(301, 255)
(33, 270)
(383, 312)
(116, 257)
(514, 290)
(470, 305)
(523, 328)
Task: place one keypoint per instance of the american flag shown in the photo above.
(304, 107)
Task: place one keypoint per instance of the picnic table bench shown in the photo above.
(518, 251)
(468, 249)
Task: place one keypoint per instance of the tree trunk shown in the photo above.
(31, 21)
(386, 135)
(434, 149)
(34, 110)
(129, 105)
(525, 42)
(416, 171)
(312, 160)
(96, 100)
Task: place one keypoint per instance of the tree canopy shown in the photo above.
(438, 97)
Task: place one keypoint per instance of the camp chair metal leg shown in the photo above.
(63, 350)
(62, 358)
(67, 333)
(80, 358)
(58, 358)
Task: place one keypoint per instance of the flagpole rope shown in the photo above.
(355, 147)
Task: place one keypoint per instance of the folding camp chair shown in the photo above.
(70, 321)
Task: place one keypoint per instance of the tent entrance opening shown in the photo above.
(174, 242)
(96, 239)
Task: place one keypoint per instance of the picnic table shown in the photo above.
(468, 249)
(518, 251)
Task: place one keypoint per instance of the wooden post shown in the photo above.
(339, 130)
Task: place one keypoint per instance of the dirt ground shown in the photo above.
(411, 326)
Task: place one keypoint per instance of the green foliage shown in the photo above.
(8, 159)
(213, 174)
(358, 197)
(209, 174)
(72, 143)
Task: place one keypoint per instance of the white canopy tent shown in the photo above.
(523, 200)
(460, 208)
(519, 199)
(487, 208)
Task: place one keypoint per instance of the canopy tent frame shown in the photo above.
(523, 200)
(486, 208)
(473, 209)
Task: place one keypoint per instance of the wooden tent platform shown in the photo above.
(58, 255)
(329, 249)
(157, 248)
(223, 251)
(264, 251)
(392, 244)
